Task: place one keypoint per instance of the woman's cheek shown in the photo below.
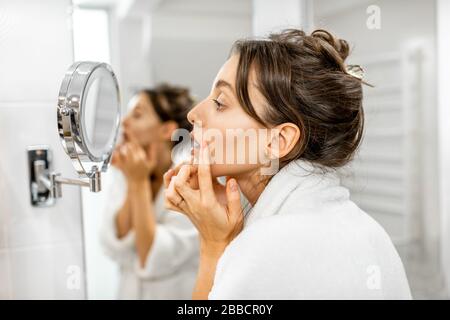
(234, 158)
(146, 134)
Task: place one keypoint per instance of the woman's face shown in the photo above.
(236, 140)
(142, 121)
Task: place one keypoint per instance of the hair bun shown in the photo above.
(330, 42)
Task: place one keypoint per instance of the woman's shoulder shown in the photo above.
(317, 250)
(340, 235)
(343, 220)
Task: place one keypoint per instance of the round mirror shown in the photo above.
(89, 115)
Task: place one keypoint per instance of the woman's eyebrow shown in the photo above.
(224, 84)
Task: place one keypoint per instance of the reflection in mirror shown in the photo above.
(100, 118)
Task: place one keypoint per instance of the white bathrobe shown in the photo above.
(171, 266)
(304, 239)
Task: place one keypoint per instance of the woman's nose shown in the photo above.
(192, 115)
(197, 113)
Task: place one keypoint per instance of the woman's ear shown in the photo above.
(167, 129)
(283, 139)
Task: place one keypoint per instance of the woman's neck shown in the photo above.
(252, 184)
(164, 164)
(164, 159)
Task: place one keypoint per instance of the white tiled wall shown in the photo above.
(38, 246)
(416, 231)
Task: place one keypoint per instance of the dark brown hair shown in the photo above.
(171, 103)
(305, 81)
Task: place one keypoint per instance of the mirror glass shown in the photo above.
(89, 115)
(100, 112)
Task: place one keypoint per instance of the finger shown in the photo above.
(180, 205)
(193, 171)
(189, 176)
(132, 155)
(179, 166)
(170, 206)
(172, 195)
(136, 152)
(140, 154)
(118, 162)
(233, 200)
(174, 171)
(182, 209)
(168, 177)
(182, 186)
(184, 174)
(123, 150)
(181, 183)
(123, 153)
(204, 173)
(134, 147)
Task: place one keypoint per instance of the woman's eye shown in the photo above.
(218, 104)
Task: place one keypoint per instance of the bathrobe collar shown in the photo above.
(298, 176)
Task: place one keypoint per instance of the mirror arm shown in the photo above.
(75, 182)
(53, 181)
(45, 186)
(94, 182)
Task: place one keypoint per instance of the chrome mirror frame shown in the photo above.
(70, 113)
(89, 162)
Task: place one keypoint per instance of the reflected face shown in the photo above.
(142, 121)
(236, 139)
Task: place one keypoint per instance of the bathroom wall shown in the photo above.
(380, 51)
(399, 154)
(186, 35)
(272, 15)
(443, 26)
(130, 55)
(41, 252)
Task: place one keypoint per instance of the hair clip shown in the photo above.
(355, 71)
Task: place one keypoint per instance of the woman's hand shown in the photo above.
(135, 162)
(214, 209)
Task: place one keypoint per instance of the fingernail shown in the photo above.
(233, 185)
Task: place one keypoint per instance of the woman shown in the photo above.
(304, 237)
(157, 250)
